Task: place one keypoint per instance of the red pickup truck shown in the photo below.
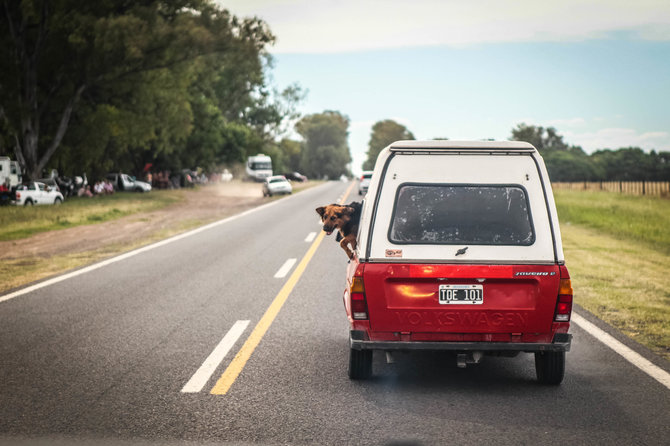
(459, 249)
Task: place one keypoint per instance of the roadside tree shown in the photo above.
(325, 150)
(384, 133)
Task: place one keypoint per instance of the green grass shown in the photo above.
(18, 222)
(617, 249)
(639, 219)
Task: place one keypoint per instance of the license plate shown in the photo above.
(461, 294)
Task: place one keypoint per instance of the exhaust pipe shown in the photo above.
(463, 359)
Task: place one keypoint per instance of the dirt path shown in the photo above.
(209, 203)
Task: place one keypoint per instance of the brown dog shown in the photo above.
(345, 219)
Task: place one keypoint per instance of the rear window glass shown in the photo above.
(461, 214)
(367, 176)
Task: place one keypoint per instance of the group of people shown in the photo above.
(102, 187)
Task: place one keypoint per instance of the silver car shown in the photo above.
(277, 184)
(364, 182)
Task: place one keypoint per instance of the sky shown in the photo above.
(596, 70)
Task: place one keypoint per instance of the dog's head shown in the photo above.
(334, 216)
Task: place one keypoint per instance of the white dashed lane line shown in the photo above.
(202, 375)
(285, 268)
(310, 237)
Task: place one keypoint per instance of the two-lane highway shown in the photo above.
(135, 351)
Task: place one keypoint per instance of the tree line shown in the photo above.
(570, 163)
(119, 85)
(564, 162)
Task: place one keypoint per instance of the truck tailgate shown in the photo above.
(425, 298)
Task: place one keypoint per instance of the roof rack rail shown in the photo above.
(462, 146)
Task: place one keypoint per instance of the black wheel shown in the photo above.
(28, 202)
(550, 367)
(139, 189)
(57, 201)
(360, 364)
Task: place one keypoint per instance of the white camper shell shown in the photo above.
(497, 197)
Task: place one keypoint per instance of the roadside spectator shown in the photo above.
(85, 191)
(108, 187)
(4, 192)
(98, 188)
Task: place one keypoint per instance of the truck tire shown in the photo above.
(28, 202)
(550, 367)
(360, 364)
(57, 201)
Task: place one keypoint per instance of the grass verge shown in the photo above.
(18, 222)
(641, 219)
(617, 249)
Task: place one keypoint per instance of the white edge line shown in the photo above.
(129, 254)
(285, 268)
(310, 237)
(629, 354)
(202, 375)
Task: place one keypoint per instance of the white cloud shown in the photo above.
(324, 26)
(615, 138)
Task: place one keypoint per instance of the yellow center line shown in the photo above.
(240, 360)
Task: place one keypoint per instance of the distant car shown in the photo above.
(277, 184)
(123, 182)
(35, 192)
(295, 176)
(364, 182)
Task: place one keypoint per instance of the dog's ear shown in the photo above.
(347, 210)
(321, 210)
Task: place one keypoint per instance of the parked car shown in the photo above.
(123, 182)
(36, 193)
(364, 182)
(277, 184)
(295, 176)
(459, 250)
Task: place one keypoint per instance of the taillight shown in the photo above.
(18, 196)
(564, 302)
(359, 305)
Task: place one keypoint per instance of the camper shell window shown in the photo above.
(463, 214)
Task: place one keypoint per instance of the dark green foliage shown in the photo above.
(571, 163)
(325, 151)
(113, 85)
(384, 133)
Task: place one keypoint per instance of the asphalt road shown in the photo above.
(104, 357)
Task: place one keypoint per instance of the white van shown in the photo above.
(459, 249)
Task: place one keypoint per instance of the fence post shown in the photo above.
(642, 187)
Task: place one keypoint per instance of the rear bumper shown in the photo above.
(358, 340)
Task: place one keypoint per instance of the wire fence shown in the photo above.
(650, 188)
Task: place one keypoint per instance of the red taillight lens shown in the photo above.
(18, 196)
(359, 305)
(564, 304)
